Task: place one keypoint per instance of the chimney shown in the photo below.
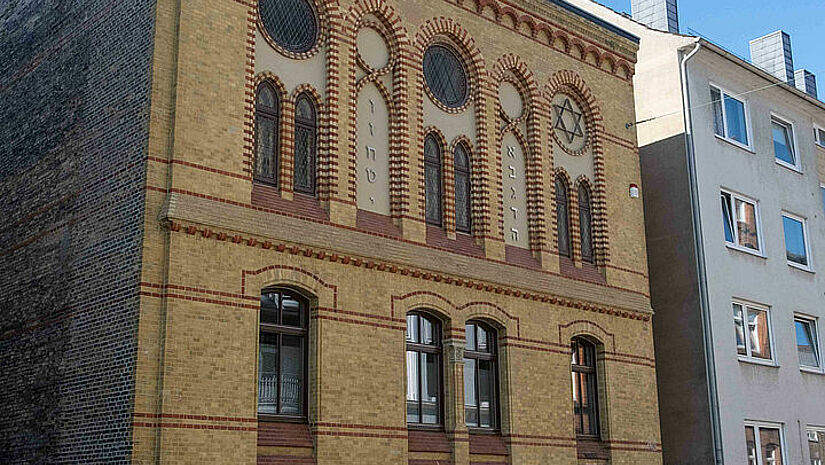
(773, 54)
(805, 81)
(656, 14)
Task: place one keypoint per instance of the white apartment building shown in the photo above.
(733, 166)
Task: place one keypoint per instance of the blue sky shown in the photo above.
(732, 23)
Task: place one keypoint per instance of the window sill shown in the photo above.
(735, 143)
(799, 267)
(794, 168)
(756, 361)
(487, 431)
(281, 418)
(819, 146)
(425, 427)
(755, 253)
(812, 370)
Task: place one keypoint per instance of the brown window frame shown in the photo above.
(563, 226)
(279, 330)
(434, 162)
(437, 349)
(586, 212)
(273, 114)
(311, 125)
(492, 356)
(591, 375)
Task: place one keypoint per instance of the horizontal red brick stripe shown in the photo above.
(354, 434)
(358, 426)
(192, 426)
(185, 416)
(285, 460)
(199, 167)
(357, 322)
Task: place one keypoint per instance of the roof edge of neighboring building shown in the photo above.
(596, 20)
(760, 72)
(630, 18)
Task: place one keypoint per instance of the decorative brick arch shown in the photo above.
(586, 328)
(534, 114)
(285, 123)
(570, 82)
(492, 312)
(479, 96)
(253, 281)
(286, 181)
(390, 26)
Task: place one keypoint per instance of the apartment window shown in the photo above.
(480, 376)
(585, 387)
(463, 217)
(267, 140)
(816, 445)
(562, 217)
(783, 143)
(729, 117)
(764, 443)
(306, 144)
(822, 195)
(432, 179)
(423, 369)
(741, 222)
(819, 136)
(807, 342)
(282, 352)
(796, 244)
(753, 331)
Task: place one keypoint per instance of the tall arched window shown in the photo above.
(562, 216)
(480, 376)
(463, 216)
(432, 179)
(282, 350)
(585, 387)
(585, 223)
(306, 144)
(267, 143)
(423, 369)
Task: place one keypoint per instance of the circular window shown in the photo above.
(445, 76)
(290, 23)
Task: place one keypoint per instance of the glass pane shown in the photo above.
(782, 145)
(727, 218)
(771, 444)
(760, 341)
(816, 447)
(269, 307)
(586, 232)
(562, 219)
(292, 378)
(806, 343)
(290, 23)
(430, 382)
(304, 178)
(470, 336)
(462, 201)
(292, 312)
(470, 401)
(462, 160)
(304, 110)
(267, 373)
(750, 441)
(483, 339)
(432, 180)
(577, 411)
(589, 419)
(413, 415)
(445, 76)
(795, 241)
(412, 328)
(718, 124)
(427, 332)
(735, 114)
(266, 98)
(822, 192)
(486, 392)
(746, 224)
(266, 138)
(739, 323)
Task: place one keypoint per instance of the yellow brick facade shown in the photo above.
(210, 247)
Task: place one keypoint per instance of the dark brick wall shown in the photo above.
(74, 110)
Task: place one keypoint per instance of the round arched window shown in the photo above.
(446, 77)
(291, 24)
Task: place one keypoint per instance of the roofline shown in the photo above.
(595, 19)
(759, 72)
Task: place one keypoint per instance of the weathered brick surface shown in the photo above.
(74, 99)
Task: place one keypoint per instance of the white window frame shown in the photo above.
(817, 141)
(757, 425)
(735, 244)
(818, 342)
(746, 106)
(822, 196)
(805, 236)
(745, 304)
(797, 166)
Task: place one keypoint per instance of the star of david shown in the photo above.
(568, 121)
